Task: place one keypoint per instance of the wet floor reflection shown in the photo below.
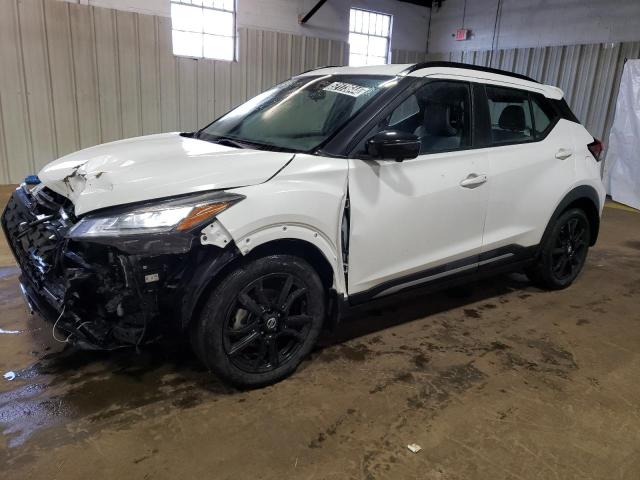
(98, 387)
(59, 385)
(52, 384)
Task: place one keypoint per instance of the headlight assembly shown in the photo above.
(166, 216)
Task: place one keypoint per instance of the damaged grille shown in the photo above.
(100, 296)
(35, 226)
(52, 201)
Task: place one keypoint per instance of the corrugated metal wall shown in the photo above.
(588, 74)
(405, 56)
(73, 76)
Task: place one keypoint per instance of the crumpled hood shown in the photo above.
(155, 166)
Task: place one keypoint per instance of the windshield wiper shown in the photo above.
(229, 142)
(232, 142)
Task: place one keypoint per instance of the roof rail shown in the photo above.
(317, 68)
(467, 66)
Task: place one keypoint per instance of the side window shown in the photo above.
(544, 115)
(405, 111)
(438, 113)
(510, 113)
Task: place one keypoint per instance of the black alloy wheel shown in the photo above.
(268, 323)
(563, 252)
(260, 321)
(570, 248)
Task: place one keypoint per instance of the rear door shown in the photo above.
(531, 165)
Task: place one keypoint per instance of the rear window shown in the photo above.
(519, 116)
(510, 111)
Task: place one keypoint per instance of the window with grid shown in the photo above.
(369, 38)
(204, 28)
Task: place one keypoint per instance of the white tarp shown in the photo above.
(623, 155)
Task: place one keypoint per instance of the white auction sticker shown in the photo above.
(347, 89)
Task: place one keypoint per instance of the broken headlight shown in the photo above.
(175, 215)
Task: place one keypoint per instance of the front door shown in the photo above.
(420, 220)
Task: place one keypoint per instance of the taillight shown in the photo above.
(596, 147)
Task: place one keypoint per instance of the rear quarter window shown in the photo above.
(544, 115)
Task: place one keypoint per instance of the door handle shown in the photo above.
(564, 153)
(473, 180)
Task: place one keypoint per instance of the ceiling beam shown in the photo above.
(312, 12)
(425, 3)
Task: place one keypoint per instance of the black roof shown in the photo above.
(467, 66)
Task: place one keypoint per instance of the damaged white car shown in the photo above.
(334, 188)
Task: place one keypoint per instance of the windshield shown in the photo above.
(299, 114)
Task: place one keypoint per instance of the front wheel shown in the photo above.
(261, 321)
(563, 253)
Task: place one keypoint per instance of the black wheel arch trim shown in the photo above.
(580, 193)
(211, 264)
(207, 266)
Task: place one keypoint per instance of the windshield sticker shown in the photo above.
(347, 89)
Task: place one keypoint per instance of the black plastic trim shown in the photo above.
(563, 110)
(481, 116)
(578, 193)
(203, 266)
(517, 255)
(393, 144)
(37, 301)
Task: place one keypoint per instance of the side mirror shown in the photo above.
(393, 145)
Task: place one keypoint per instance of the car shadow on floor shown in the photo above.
(93, 386)
(407, 307)
(175, 356)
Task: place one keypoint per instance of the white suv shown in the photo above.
(334, 188)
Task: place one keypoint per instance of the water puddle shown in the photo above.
(9, 332)
(94, 389)
(6, 272)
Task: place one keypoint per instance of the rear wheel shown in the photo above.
(563, 253)
(261, 321)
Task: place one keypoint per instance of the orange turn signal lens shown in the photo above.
(200, 214)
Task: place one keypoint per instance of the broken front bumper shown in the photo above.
(105, 293)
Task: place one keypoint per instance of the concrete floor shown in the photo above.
(498, 381)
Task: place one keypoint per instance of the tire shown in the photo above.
(261, 321)
(563, 252)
